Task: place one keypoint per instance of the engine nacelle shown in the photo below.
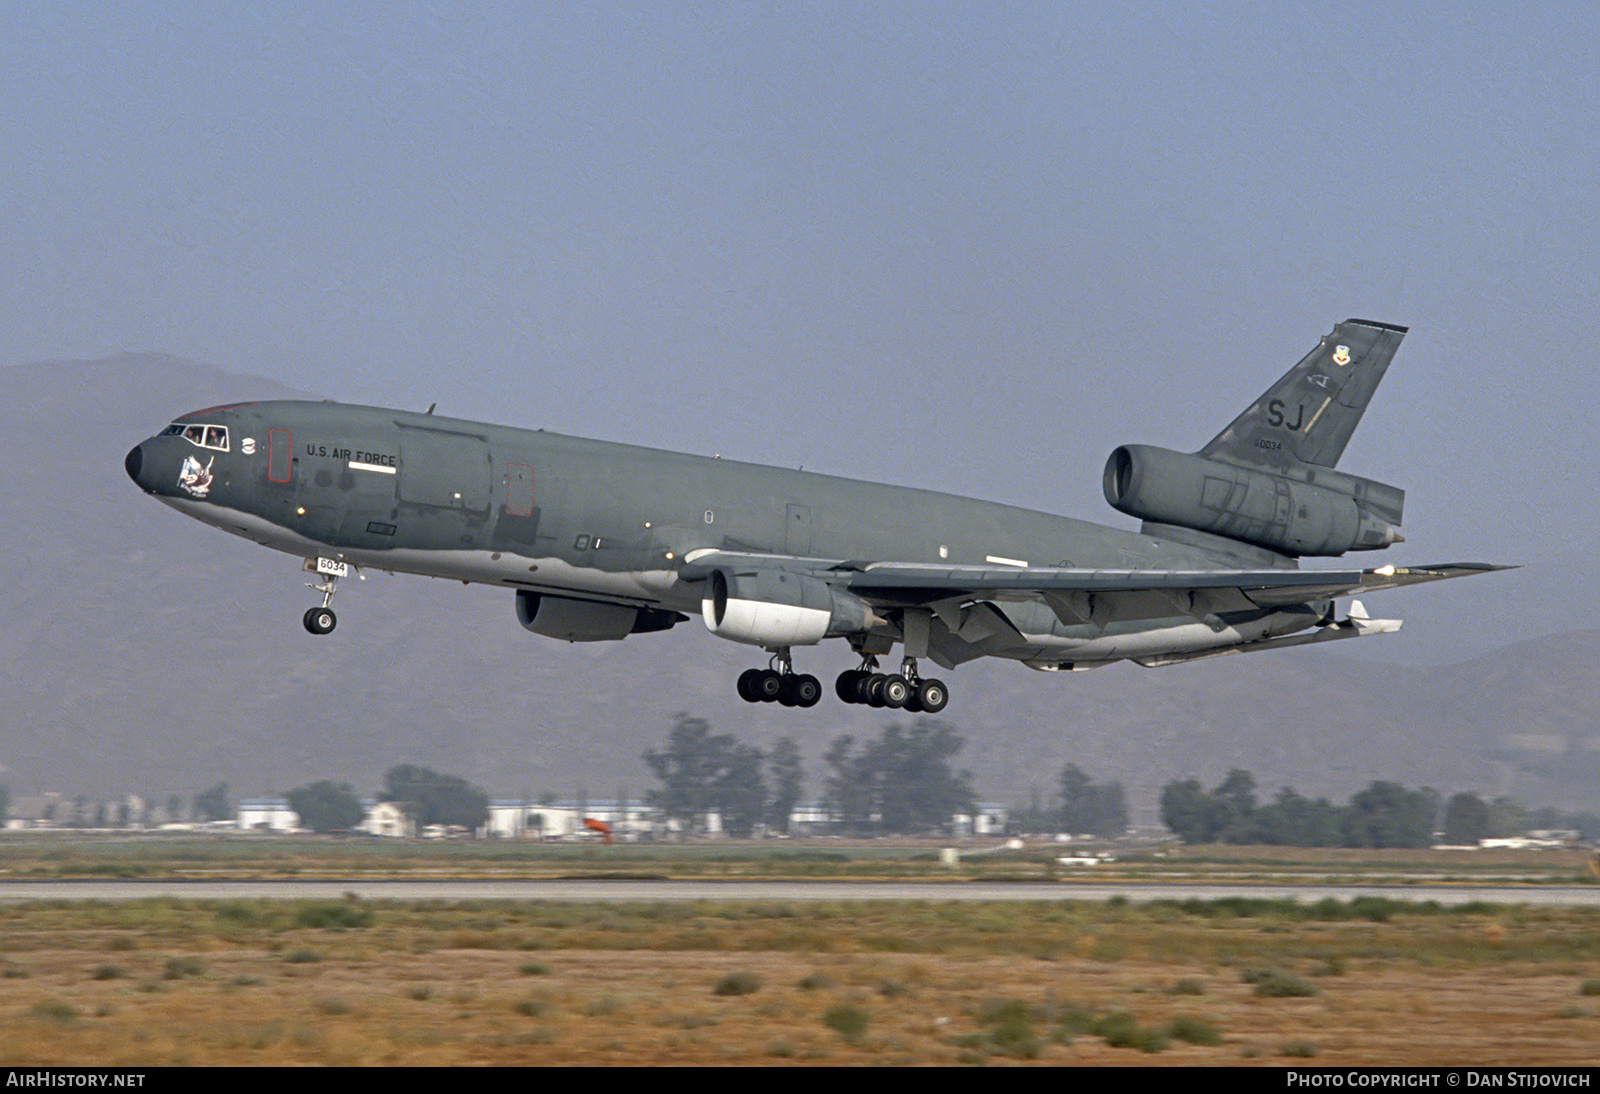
(1325, 513)
(774, 608)
(587, 620)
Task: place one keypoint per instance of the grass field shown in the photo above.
(1372, 981)
(1235, 981)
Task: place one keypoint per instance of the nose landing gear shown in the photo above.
(322, 620)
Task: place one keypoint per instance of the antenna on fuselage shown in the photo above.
(431, 406)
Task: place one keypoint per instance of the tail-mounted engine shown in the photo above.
(1311, 511)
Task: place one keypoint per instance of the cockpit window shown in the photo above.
(202, 436)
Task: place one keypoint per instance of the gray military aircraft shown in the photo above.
(602, 540)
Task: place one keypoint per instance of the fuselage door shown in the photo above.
(519, 489)
(280, 455)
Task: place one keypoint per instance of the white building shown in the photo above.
(387, 819)
(519, 820)
(267, 815)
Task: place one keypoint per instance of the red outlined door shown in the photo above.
(280, 455)
(519, 489)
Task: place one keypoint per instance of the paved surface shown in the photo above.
(647, 891)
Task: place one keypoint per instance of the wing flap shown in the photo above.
(1070, 592)
(1349, 628)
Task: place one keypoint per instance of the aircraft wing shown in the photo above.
(913, 583)
(921, 583)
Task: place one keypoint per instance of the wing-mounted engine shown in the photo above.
(772, 607)
(1304, 511)
(588, 620)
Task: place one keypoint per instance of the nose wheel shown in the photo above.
(320, 620)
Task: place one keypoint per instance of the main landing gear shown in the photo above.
(779, 683)
(903, 691)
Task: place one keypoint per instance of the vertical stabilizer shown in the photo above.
(1309, 414)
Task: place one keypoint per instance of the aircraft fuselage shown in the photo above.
(602, 540)
(533, 510)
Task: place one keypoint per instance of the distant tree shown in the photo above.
(1234, 803)
(902, 782)
(1508, 817)
(1226, 815)
(1466, 819)
(212, 805)
(693, 770)
(326, 806)
(1386, 814)
(702, 772)
(848, 790)
(1099, 809)
(174, 809)
(431, 798)
(1034, 815)
(5, 803)
(1295, 821)
(1186, 810)
(739, 793)
(1074, 793)
(788, 782)
(919, 790)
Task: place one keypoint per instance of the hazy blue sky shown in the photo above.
(971, 247)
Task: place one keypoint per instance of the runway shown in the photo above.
(635, 891)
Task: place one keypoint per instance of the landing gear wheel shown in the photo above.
(895, 692)
(768, 686)
(932, 696)
(804, 690)
(749, 685)
(848, 686)
(320, 620)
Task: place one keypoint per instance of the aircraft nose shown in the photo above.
(134, 463)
